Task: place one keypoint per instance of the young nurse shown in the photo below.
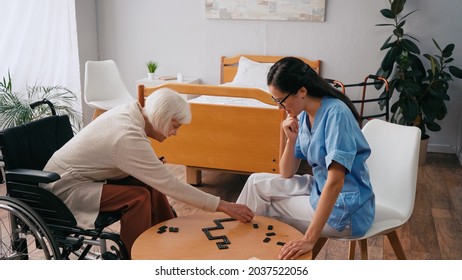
(321, 127)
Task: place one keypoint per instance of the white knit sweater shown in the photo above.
(111, 147)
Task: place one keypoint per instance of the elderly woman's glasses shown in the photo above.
(281, 101)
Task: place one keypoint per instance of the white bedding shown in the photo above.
(249, 74)
(235, 101)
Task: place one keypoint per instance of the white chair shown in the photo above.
(104, 88)
(393, 166)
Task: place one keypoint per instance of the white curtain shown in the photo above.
(38, 44)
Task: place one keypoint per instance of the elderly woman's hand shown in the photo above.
(237, 211)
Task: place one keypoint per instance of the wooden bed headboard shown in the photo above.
(229, 65)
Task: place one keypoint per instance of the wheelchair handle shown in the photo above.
(44, 101)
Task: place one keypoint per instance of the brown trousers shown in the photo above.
(142, 207)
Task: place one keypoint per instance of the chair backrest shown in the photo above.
(32, 144)
(103, 81)
(393, 164)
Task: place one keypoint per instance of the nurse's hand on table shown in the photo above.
(237, 211)
(296, 248)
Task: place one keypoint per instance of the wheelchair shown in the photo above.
(34, 223)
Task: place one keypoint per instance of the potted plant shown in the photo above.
(422, 85)
(15, 107)
(152, 67)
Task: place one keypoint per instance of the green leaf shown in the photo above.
(455, 71)
(411, 88)
(384, 24)
(428, 56)
(447, 52)
(436, 44)
(387, 45)
(429, 112)
(398, 32)
(387, 13)
(442, 112)
(433, 65)
(410, 109)
(409, 14)
(417, 64)
(446, 97)
(410, 46)
(397, 6)
(418, 69)
(412, 37)
(433, 126)
(390, 58)
(395, 106)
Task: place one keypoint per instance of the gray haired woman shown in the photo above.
(110, 165)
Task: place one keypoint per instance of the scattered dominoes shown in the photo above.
(162, 229)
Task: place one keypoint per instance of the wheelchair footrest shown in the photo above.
(71, 243)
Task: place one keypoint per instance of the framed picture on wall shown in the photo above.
(295, 10)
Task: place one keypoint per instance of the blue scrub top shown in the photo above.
(336, 136)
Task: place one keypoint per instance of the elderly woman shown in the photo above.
(110, 165)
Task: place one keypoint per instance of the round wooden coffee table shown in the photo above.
(191, 241)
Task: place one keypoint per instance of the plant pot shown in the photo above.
(151, 76)
(423, 149)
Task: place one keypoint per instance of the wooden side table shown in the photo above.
(192, 243)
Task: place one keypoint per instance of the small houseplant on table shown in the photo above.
(152, 67)
(422, 91)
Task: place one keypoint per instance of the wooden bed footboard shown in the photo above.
(236, 139)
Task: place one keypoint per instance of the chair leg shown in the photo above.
(351, 250)
(396, 245)
(363, 248)
(318, 246)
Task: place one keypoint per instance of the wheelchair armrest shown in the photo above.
(31, 175)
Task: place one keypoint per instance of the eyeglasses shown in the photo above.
(281, 101)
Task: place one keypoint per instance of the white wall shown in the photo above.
(177, 35)
(87, 43)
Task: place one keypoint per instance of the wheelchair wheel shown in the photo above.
(23, 234)
(107, 246)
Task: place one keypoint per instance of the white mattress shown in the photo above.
(235, 101)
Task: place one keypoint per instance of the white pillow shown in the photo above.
(251, 73)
